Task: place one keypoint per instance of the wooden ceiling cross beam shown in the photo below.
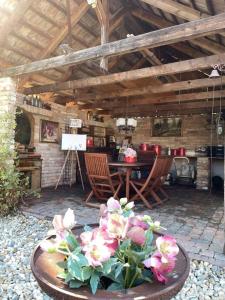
(166, 69)
(155, 99)
(153, 39)
(155, 20)
(178, 9)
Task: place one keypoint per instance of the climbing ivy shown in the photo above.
(13, 187)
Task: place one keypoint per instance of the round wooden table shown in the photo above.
(129, 167)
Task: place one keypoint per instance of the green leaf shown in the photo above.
(118, 270)
(149, 238)
(115, 287)
(74, 268)
(94, 282)
(82, 260)
(72, 241)
(62, 264)
(68, 278)
(125, 244)
(107, 266)
(75, 284)
(86, 273)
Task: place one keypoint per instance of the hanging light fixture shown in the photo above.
(126, 125)
(93, 3)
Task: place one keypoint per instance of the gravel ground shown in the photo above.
(19, 235)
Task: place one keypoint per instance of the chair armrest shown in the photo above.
(117, 174)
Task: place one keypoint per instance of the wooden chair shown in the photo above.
(153, 184)
(103, 184)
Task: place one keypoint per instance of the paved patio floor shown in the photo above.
(194, 217)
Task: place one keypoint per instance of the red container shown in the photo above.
(181, 151)
(90, 142)
(174, 152)
(144, 147)
(157, 149)
(129, 159)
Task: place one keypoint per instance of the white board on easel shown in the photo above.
(74, 142)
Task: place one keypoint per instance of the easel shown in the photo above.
(71, 170)
(72, 149)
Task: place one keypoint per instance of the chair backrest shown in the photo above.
(146, 156)
(160, 167)
(97, 164)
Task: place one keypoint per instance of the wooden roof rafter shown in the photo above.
(157, 38)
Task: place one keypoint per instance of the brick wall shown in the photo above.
(52, 157)
(195, 132)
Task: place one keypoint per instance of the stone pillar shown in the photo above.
(203, 173)
(7, 120)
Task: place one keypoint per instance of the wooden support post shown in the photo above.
(102, 11)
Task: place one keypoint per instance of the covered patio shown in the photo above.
(137, 86)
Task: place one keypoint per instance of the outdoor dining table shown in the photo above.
(128, 167)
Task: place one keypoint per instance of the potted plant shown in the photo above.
(119, 254)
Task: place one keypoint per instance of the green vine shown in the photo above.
(13, 187)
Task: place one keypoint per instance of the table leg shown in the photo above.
(128, 173)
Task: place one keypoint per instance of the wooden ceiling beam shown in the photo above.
(166, 69)
(157, 38)
(155, 99)
(164, 88)
(178, 9)
(76, 14)
(176, 112)
(171, 107)
(155, 20)
(14, 19)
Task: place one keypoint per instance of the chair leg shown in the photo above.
(164, 194)
(156, 197)
(141, 196)
(89, 197)
(117, 191)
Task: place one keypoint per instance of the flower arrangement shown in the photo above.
(120, 253)
(130, 155)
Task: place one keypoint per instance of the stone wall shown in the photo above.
(195, 132)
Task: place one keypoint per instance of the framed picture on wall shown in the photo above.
(49, 132)
(166, 127)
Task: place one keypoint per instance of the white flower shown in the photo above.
(129, 205)
(69, 219)
(123, 201)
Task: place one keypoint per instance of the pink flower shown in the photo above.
(97, 253)
(100, 236)
(63, 224)
(86, 237)
(138, 221)
(167, 247)
(113, 205)
(103, 211)
(158, 267)
(117, 226)
(137, 235)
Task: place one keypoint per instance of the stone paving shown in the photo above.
(194, 217)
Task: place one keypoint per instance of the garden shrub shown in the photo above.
(13, 186)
